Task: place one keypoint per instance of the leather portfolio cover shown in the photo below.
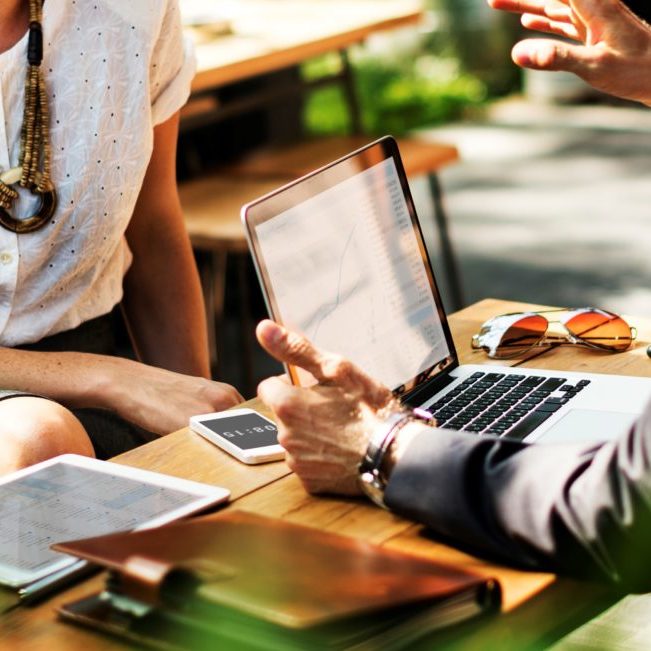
(245, 577)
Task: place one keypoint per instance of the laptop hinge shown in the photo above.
(422, 394)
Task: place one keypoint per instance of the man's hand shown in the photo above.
(614, 50)
(325, 429)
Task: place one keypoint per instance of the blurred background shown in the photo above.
(548, 201)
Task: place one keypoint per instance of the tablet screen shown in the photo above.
(68, 500)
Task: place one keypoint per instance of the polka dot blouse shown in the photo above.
(113, 70)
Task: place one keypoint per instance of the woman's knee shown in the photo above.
(35, 429)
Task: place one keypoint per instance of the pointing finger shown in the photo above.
(291, 348)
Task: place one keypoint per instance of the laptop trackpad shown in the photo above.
(587, 426)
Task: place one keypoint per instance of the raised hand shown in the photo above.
(613, 52)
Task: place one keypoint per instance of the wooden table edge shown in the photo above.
(475, 633)
(209, 78)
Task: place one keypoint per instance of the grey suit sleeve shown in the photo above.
(579, 510)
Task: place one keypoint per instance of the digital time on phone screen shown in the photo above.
(247, 431)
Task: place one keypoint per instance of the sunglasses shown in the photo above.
(511, 335)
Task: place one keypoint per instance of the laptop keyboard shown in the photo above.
(503, 404)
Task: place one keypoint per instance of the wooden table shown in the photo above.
(537, 607)
(271, 35)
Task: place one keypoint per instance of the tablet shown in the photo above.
(72, 497)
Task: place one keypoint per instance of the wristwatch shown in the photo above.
(371, 479)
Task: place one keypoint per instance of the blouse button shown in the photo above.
(6, 258)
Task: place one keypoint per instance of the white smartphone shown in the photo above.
(244, 433)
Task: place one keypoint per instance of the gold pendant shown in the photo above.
(33, 223)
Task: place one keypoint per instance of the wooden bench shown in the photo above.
(419, 156)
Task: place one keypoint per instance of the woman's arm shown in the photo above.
(158, 400)
(165, 313)
(162, 294)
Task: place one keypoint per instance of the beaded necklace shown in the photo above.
(33, 172)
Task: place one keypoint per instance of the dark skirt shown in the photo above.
(110, 434)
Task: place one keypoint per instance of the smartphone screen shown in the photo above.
(246, 431)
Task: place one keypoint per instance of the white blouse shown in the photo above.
(113, 70)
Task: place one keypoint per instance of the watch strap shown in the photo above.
(371, 479)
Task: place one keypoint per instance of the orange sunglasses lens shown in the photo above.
(521, 336)
(601, 329)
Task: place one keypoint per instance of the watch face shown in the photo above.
(246, 431)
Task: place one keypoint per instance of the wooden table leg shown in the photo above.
(212, 266)
(246, 325)
(448, 255)
(350, 92)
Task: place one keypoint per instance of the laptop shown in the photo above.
(341, 259)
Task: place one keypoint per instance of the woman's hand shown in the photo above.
(614, 50)
(162, 401)
(325, 429)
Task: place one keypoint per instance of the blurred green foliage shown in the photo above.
(395, 95)
(481, 39)
(444, 74)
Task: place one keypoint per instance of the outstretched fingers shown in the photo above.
(518, 6)
(545, 54)
(538, 7)
(558, 28)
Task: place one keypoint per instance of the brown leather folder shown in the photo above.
(259, 583)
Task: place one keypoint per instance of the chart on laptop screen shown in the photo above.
(347, 271)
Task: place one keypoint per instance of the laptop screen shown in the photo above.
(342, 260)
